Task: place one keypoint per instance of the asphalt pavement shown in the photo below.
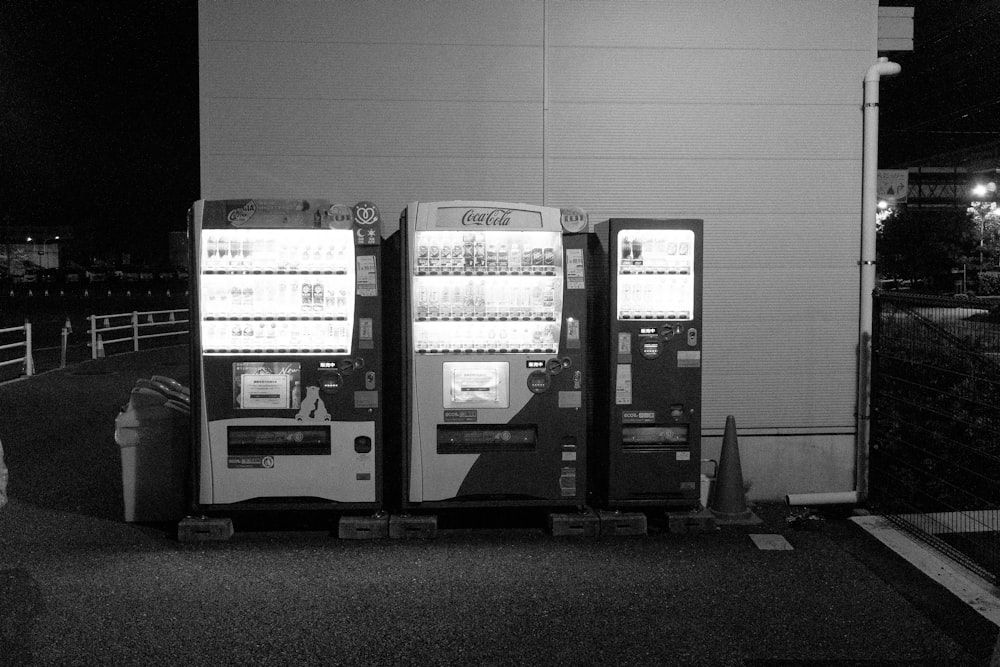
(79, 586)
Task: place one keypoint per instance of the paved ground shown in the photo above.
(78, 586)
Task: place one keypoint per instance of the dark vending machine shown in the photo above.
(287, 353)
(654, 429)
(495, 321)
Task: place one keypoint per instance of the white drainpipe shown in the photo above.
(869, 202)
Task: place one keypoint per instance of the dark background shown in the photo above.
(100, 111)
(100, 120)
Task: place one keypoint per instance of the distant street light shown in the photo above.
(41, 253)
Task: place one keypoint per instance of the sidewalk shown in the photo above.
(80, 586)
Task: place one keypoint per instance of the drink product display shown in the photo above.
(278, 277)
(655, 274)
(500, 304)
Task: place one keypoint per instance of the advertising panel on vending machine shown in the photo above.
(653, 455)
(496, 376)
(286, 354)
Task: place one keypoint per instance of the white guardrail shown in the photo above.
(135, 323)
(26, 359)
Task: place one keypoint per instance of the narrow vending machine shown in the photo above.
(655, 338)
(496, 375)
(287, 354)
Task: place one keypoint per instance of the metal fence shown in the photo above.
(21, 345)
(934, 467)
(134, 327)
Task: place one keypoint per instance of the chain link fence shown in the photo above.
(934, 466)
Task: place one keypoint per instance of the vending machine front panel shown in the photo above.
(288, 362)
(496, 361)
(655, 337)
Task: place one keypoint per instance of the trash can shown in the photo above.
(154, 435)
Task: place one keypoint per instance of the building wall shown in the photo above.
(746, 113)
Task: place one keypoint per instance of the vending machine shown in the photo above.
(287, 353)
(653, 455)
(495, 354)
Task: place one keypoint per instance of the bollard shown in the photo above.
(62, 351)
(29, 363)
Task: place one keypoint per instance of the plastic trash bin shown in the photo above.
(153, 433)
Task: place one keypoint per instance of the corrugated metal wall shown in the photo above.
(746, 113)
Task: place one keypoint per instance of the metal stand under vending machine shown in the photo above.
(287, 355)
(653, 455)
(496, 373)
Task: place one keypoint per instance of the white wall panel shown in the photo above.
(477, 22)
(683, 130)
(626, 186)
(706, 76)
(304, 70)
(711, 24)
(362, 128)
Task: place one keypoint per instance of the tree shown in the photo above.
(925, 245)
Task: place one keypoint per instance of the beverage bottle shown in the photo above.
(636, 250)
(247, 250)
(433, 304)
(296, 395)
(480, 251)
(306, 300)
(236, 299)
(247, 299)
(342, 303)
(422, 304)
(211, 251)
(480, 299)
(317, 296)
(502, 258)
(469, 302)
(515, 257)
(626, 251)
(235, 252)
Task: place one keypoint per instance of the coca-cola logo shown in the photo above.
(243, 213)
(487, 217)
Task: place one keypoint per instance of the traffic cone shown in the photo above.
(100, 347)
(729, 502)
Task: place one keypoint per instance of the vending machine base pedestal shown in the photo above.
(701, 521)
(412, 526)
(622, 523)
(370, 527)
(204, 529)
(583, 524)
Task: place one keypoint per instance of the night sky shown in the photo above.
(100, 109)
(100, 119)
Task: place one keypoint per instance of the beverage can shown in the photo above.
(549, 257)
(537, 257)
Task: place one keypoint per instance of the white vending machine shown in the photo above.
(287, 354)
